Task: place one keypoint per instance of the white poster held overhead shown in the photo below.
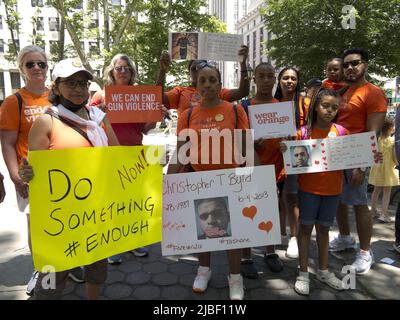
(336, 153)
(273, 120)
(220, 210)
(204, 46)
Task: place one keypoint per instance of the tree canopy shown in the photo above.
(306, 33)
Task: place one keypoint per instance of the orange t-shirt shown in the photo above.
(181, 98)
(304, 104)
(204, 119)
(357, 103)
(33, 106)
(64, 137)
(270, 153)
(328, 84)
(322, 183)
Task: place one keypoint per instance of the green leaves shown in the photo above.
(309, 32)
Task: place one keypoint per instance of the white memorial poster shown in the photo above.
(336, 153)
(273, 120)
(220, 210)
(204, 46)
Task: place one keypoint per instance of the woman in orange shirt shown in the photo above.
(318, 193)
(212, 113)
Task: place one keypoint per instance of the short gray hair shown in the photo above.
(26, 50)
(108, 74)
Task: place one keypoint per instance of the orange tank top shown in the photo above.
(64, 137)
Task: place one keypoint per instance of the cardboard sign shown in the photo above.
(87, 204)
(204, 46)
(273, 120)
(133, 104)
(331, 154)
(220, 210)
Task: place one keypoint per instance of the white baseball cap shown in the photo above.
(68, 67)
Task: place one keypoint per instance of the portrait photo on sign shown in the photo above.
(185, 46)
(301, 156)
(212, 218)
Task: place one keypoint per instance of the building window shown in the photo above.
(116, 2)
(2, 87)
(254, 46)
(40, 24)
(261, 42)
(83, 46)
(94, 23)
(40, 43)
(54, 24)
(248, 41)
(15, 81)
(10, 44)
(1, 46)
(1, 22)
(94, 47)
(37, 3)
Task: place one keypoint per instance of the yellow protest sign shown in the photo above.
(87, 204)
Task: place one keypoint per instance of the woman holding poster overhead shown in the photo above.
(69, 124)
(212, 113)
(182, 98)
(122, 72)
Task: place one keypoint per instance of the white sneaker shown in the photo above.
(32, 283)
(292, 250)
(236, 290)
(340, 243)
(201, 281)
(363, 263)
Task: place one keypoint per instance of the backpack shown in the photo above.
(340, 129)
(20, 101)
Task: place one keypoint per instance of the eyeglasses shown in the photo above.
(123, 68)
(31, 64)
(354, 63)
(72, 84)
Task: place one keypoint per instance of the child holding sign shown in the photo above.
(318, 192)
(269, 153)
(213, 113)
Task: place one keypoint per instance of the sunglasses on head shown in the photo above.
(31, 64)
(354, 63)
(205, 64)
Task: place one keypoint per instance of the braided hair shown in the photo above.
(315, 101)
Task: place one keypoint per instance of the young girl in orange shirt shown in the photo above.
(318, 192)
(212, 113)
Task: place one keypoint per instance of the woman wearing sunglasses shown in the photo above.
(122, 72)
(17, 114)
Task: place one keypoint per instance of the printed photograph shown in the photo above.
(184, 46)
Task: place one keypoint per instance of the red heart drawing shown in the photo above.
(316, 162)
(323, 151)
(288, 165)
(250, 212)
(373, 145)
(314, 145)
(372, 137)
(324, 158)
(322, 144)
(265, 226)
